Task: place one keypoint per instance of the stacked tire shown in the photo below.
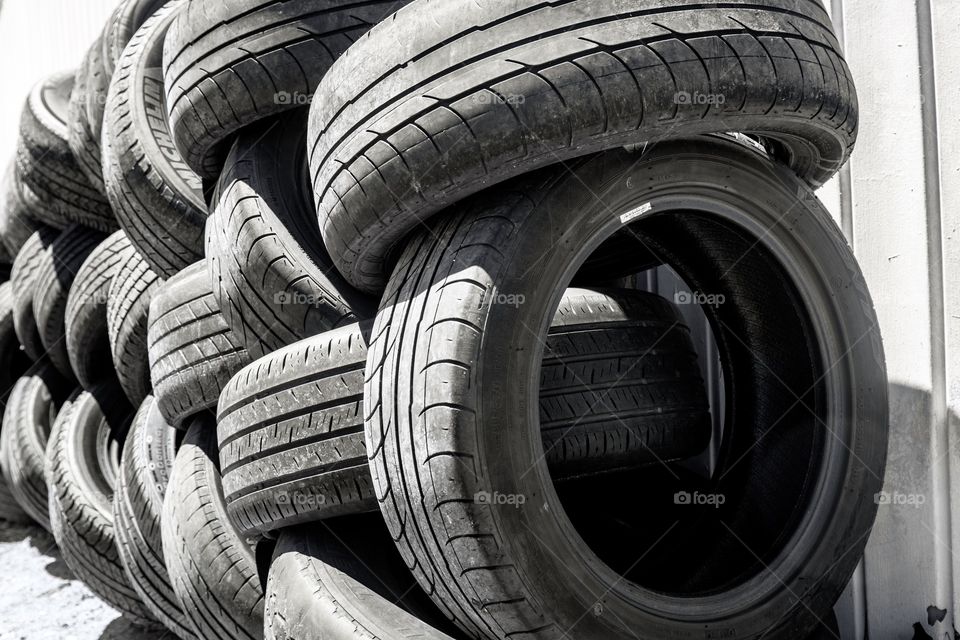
(344, 320)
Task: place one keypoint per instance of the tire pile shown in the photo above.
(323, 320)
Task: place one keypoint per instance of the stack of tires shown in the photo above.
(334, 319)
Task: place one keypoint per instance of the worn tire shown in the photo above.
(449, 98)
(290, 425)
(89, 88)
(23, 279)
(342, 581)
(83, 459)
(193, 353)
(13, 363)
(145, 468)
(55, 275)
(17, 223)
(797, 498)
(30, 412)
(87, 338)
(276, 282)
(212, 569)
(48, 168)
(222, 73)
(128, 306)
(158, 200)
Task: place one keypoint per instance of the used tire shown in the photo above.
(145, 467)
(212, 569)
(47, 167)
(193, 353)
(226, 68)
(276, 282)
(449, 98)
(83, 460)
(87, 339)
(16, 222)
(30, 412)
(341, 581)
(55, 275)
(128, 304)
(23, 279)
(158, 200)
(13, 363)
(794, 495)
(290, 425)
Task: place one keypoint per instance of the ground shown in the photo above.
(40, 599)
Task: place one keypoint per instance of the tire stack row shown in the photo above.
(323, 320)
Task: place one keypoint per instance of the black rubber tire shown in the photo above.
(212, 569)
(157, 199)
(30, 412)
(343, 581)
(83, 463)
(223, 73)
(87, 339)
(89, 95)
(16, 221)
(55, 275)
(10, 511)
(13, 363)
(145, 468)
(193, 353)
(451, 97)
(23, 278)
(48, 168)
(276, 282)
(290, 426)
(798, 499)
(128, 306)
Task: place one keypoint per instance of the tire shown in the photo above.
(128, 304)
(212, 569)
(158, 200)
(89, 96)
(55, 274)
(30, 412)
(222, 74)
(449, 98)
(83, 458)
(10, 511)
(276, 282)
(145, 467)
(13, 363)
(797, 499)
(290, 425)
(23, 279)
(342, 581)
(47, 167)
(193, 353)
(87, 339)
(17, 223)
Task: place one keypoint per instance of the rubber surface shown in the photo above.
(212, 569)
(24, 282)
(453, 96)
(16, 221)
(128, 304)
(227, 65)
(158, 200)
(145, 468)
(87, 339)
(290, 426)
(276, 283)
(193, 353)
(56, 271)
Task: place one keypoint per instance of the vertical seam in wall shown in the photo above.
(938, 392)
(846, 195)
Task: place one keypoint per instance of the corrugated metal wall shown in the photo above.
(898, 202)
